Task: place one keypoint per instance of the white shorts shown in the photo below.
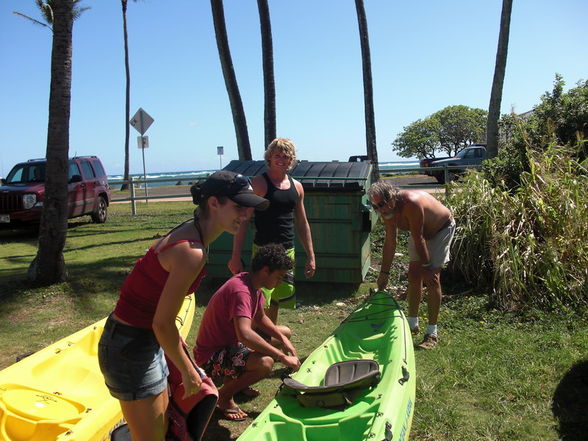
(438, 247)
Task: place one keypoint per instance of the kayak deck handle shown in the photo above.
(405, 375)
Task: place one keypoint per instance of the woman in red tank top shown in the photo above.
(142, 326)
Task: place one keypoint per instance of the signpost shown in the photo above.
(141, 121)
(220, 151)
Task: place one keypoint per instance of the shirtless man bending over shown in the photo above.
(431, 226)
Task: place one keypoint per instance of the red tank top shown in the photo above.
(142, 288)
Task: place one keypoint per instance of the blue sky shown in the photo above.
(426, 55)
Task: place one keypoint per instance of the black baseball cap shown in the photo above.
(232, 185)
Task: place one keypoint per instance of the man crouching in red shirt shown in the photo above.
(231, 344)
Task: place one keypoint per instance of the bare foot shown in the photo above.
(233, 413)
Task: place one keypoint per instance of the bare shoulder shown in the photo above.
(412, 195)
(259, 185)
(185, 254)
(298, 186)
(418, 197)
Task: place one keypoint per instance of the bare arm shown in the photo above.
(387, 252)
(235, 264)
(266, 325)
(253, 340)
(303, 230)
(416, 222)
(184, 263)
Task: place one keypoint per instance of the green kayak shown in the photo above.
(358, 385)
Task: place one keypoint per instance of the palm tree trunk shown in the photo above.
(269, 85)
(49, 265)
(498, 81)
(222, 42)
(127, 94)
(368, 94)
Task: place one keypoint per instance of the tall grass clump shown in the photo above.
(529, 243)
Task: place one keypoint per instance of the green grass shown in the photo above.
(492, 378)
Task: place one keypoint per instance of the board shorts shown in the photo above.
(228, 362)
(283, 295)
(438, 246)
(132, 361)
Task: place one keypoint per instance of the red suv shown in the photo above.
(23, 191)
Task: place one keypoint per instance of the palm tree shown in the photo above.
(127, 93)
(368, 94)
(269, 85)
(49, 265)
(222, 42)
(498, 81)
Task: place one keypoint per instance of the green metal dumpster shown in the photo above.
(338, 212)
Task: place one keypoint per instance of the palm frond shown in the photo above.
(78, 11)
(32, 19)
(46, 10)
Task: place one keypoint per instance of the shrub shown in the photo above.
(528, 243)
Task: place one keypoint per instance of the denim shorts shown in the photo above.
(132, 361)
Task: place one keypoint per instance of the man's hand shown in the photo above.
(309, 268)
(290, 361)
(235, 265)
(288, 348)
(430, 276)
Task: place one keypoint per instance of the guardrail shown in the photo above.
(448, 170)
(139, 185)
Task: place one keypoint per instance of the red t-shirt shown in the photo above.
(142, 288)
(236, 298)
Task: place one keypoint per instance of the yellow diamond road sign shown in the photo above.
(141, 121)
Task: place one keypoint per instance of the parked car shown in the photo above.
(472, 155)
(358, 158)
(22, 193)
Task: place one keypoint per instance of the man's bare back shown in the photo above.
(435, 214)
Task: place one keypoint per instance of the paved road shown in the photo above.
(421, 182)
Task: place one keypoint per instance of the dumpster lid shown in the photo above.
(313, 175)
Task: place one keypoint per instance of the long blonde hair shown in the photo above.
(282, 145)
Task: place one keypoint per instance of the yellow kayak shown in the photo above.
(58, 393)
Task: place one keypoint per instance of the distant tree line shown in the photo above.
(449, 130)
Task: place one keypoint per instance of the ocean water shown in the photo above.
(185, 177)
(171, 178)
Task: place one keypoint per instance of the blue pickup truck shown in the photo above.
(472, 155)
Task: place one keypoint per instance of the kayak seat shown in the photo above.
(343, 383)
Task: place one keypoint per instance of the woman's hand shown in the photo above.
(192, 383)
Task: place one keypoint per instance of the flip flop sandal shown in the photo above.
(227, 413)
